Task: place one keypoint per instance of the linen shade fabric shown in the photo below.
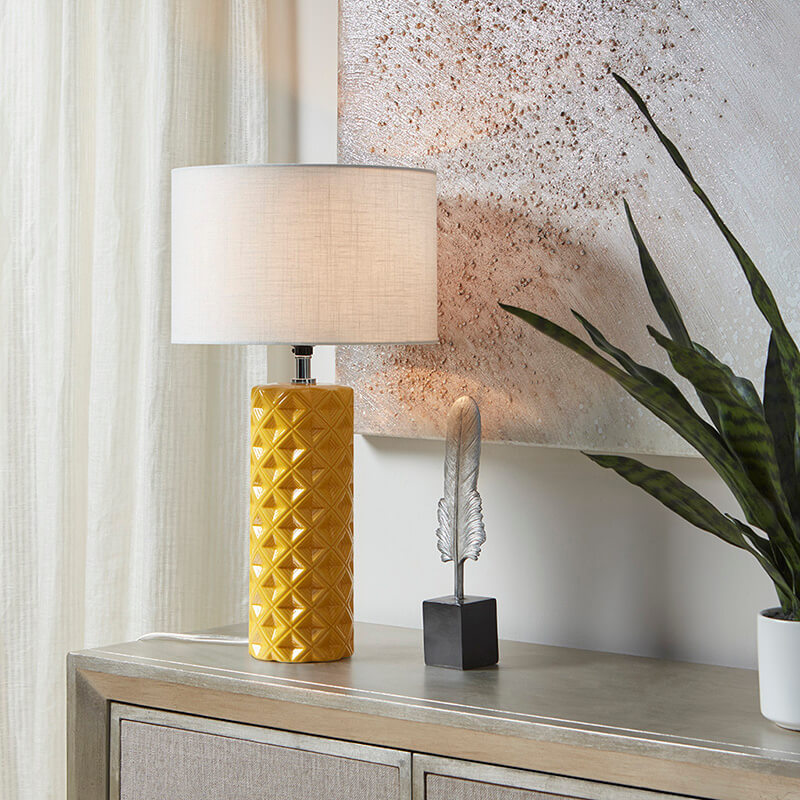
(303, 254)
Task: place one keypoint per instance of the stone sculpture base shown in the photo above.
(460, 635)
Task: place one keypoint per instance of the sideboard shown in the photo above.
(195, 721)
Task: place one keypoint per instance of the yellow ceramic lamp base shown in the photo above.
(301, 523)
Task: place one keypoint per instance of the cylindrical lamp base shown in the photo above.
(301, 523)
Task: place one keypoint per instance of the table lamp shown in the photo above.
(302, 255)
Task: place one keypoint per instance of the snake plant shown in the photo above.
(753, 443)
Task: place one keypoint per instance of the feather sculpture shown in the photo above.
(461, 534)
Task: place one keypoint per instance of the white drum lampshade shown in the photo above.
(303, 254)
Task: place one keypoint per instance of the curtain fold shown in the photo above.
(123, 475)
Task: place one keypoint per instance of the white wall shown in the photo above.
(573, 554)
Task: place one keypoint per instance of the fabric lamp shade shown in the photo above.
(303, 254)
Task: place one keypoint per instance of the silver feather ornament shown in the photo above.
(461, 534)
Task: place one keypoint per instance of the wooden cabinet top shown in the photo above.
(692, 713)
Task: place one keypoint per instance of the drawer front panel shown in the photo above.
(181, 761)
(449, 779)
(440, 787)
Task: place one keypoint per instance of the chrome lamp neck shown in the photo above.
(302, 364)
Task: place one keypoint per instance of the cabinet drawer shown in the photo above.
(158, 755)
(448, 779)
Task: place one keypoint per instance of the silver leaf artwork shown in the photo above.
(461, 534)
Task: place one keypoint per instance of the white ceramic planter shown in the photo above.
(779, 669)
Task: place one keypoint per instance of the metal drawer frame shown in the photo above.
(120, 712)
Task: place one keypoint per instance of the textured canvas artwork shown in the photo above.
(535, 146)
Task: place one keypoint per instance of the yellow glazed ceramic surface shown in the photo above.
(301, 523)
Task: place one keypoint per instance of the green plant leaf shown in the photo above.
(741, 407)
(762, 294)
(742, 386)
(668, 145)
(664, 303)
(687, 423)
(775, 565)
(755, 447)
(742, 425)
(660, 295)
(676, 413)
(652, 376)
(676, 496)
(779, 414)
(694, 508)
(565, 337)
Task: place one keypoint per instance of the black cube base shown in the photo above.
(460, 635)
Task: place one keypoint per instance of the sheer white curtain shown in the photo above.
(123, 458)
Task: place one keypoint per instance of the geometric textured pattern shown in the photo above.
(301, 523)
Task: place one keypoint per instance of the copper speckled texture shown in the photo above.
(535, 146)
